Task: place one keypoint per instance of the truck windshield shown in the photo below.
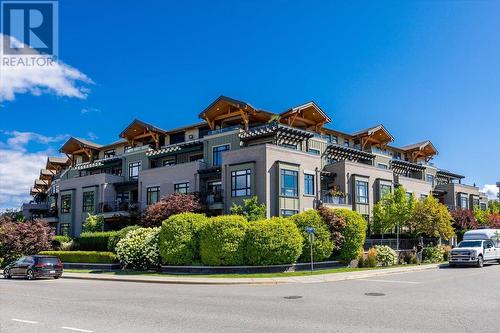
(469, 244)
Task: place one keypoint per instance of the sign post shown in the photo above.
(310, 232)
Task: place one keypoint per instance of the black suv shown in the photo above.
(33, 267)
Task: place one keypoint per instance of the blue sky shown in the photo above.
(425, 69)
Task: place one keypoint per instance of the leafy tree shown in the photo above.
(432, 218)
(463, 219)
(93, 223)
(392, 209)
(251, 209)
(494, 206)
(494, 220)
(11, 215)
(175, 203)
(481, 216)
(23, 238)
(336, 223)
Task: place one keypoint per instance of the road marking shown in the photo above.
(75, 329)
(391, 281)
(25, 321)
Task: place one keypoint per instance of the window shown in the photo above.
(181, 188)
(126, 148)
(197, 157)
(313, 151)
(288, 212)
(464, 202)
(168, 162)
(109, 153)
(289, 146)
(335, 139)
(289, 183)
(361, 191)
(66, 203)
(152, 195)
(133, 170)
(346, 143)
(122, 196)
(88, 201)
(217, 154)
(64, 229)
(177, 138)
(382, 166)
(240, 183)
(483, 206)
(475, 202)
(308, 184)
(429, 178)
(384, 190)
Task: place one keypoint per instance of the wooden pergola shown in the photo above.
(139, 131)
(376, 136)
(77, 146)
(308, 116)
(226, 111)
(338, 152)
(280, 134)
(423, 150)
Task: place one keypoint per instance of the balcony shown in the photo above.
(341, 201)
(213, 199)
(111, 209)
(224, 130)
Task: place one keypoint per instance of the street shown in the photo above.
(438, 300)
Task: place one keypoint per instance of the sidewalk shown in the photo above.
(332, 277)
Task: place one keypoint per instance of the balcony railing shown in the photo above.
(224, 130)
(328, 198)
(212, 197)
(117, 206)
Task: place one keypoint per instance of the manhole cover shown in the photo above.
(292, 297)
(374, 294)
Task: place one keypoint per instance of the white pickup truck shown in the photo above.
(478, 247)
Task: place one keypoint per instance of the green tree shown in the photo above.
(392, 209)
(251, 209)
(432, 219)
(93, 223)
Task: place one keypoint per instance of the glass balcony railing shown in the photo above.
(224, 130)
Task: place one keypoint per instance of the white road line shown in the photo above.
(25, 321)
(390, 281)
(76, 329)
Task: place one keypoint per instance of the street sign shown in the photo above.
(310, 230)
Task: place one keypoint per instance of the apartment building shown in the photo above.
(292, 161)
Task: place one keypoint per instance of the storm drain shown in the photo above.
(292, 297)
(374, 294)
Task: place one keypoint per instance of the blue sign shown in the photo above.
(310, 230)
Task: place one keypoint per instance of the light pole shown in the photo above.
(310, 233)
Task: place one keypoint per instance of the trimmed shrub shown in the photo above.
(433, 254)
(385, 255)
(90, 257)
(371, 259)
(222, 240)
(57, 241)
(93, 223)
(354, 234)
(251, 209)
(139, 249)
(323, 245)
(180, 238)
(94, 241)
(118, 235)
(273, 241)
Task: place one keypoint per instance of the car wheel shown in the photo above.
(57, 277)
(30, 274)
(480, 261)
(6, 274)
(452, 265)
(498, 261)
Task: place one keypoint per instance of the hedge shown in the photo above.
(323, 245)
(222, 241)
(273, 241)
(58, 240)
(91, 257)
(94, 241)
(180, 238)
(354, 234)
(139, 249)
(119, 235)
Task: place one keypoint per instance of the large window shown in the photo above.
(429, 178)
(66, 203)
(133, 170)
(88, 201)
(384, 190)
(475, 203)
(109, 153)
(241, 183)
(314, 151)
(122, 196)
(152, 195)
(464, 202)
(217, 154)
(288, 212)
(181, 188)
(308, 184)
(361, 191)
(64, 229)
(289, 183)
(382, 166)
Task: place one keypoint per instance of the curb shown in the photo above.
(332, 277)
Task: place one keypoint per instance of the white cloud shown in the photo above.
(92, 136)
(59, 78)
(491, 191)
(19, 168)
(89, 110)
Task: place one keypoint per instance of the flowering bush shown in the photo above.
(139, 249)
(385, 255)
(433, 254)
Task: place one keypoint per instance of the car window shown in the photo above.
(20, 260)
(485, 245)
(28, 260)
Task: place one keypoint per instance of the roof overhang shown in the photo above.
(423, 150)
(308, 116)
(377, 135)
(448, 175)
(76, 145)
(174, 148)
(339, 152)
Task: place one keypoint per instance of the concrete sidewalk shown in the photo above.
(331, 277)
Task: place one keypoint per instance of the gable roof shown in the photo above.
(419, 146)
(305, 106)
(73, 142)
(140, 123)
(372, 130)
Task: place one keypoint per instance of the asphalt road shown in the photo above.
(440, 300)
